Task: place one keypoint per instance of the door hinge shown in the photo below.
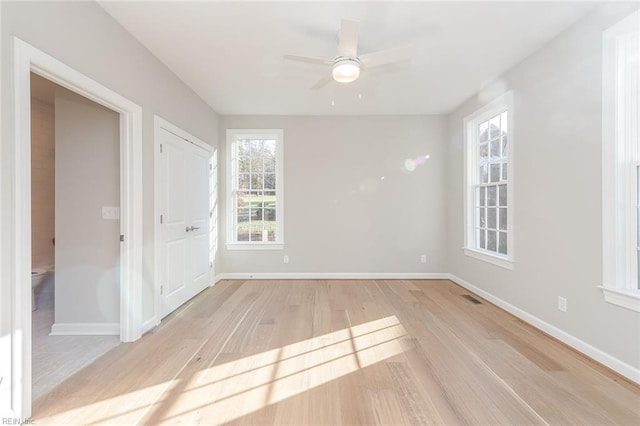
(161, 290)
(160, 148)
(160, 219)
(210, 264)
(210, 214)
(210, 166)
(121, 238)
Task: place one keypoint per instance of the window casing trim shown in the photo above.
(620, 161)
(470, 124)
(234, 135)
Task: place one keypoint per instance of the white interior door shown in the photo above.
(199, 219)
(184, 229)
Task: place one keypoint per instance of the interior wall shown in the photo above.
(85, 37)
(42, 183)
(353, 200)
(87, 177)
(557, 190)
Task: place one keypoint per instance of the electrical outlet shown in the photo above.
(562, 304)
(286, 258)
(423, 258)
(111, 213)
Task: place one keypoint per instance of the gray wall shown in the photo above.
(87, 178)
(558, 208)
(340, 216)
(42, 183)
(85, 37)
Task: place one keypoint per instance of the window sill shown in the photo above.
(255, 246)
(625, 298)
(486, 257)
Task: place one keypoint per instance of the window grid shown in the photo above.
(254, 191)
(491, 201)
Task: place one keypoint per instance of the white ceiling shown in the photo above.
(230, 53)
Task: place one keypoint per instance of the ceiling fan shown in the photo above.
(346, 66)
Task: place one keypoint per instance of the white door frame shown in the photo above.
(158, 124)
(27, 59)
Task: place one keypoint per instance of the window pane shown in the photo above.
(242, 198)
(256, 234)
(494, 127)
(503, 219)
(256, 182)
(255, 205)
(484, 152)
(482, 218)
(243, 164)
(505, 147)
(495, 149)
(270, 216)
(491, 240)
(244, 148)
(243, 181)
(491, 195)
(491, 219)
(482, 197)
(257, 165)
(502, 243)
(495, 172)
(484, 174)
(270, 163)
(269, 199)
(269, 181)
(243, 234)
(255, 210)
(483, 131)
(504, 171)
(482, 243)
(243, 214)
(502, 195)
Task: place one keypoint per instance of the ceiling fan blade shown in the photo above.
(388, 56)
(348, 39)
(322, 82)
(309, 59)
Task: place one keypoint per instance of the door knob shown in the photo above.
(192, 228)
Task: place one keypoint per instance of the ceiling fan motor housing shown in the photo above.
(345, 69)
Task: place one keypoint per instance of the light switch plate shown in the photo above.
(111, 213)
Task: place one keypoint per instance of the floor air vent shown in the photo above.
(472, 299)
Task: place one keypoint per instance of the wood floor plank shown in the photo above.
(349, 352)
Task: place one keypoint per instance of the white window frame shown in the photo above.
(620, 161)
(471, 123)
(232, 136)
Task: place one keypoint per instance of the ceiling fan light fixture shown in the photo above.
(346, 70)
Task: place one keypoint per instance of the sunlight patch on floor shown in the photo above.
(228, 391)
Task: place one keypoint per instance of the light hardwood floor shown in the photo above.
(342, 352)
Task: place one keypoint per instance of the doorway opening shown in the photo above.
(74, 249)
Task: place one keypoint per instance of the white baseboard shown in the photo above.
(621, 367)
(83, 329)
(149, 324)
(332, 276)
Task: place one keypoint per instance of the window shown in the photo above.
(254, 191)
(489, 176)
(620, 163)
